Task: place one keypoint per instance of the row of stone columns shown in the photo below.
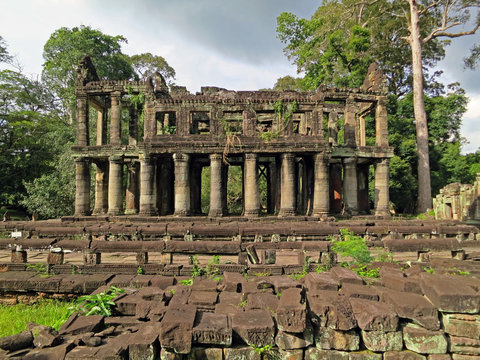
(109, 187)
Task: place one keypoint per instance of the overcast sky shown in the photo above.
(225, 43)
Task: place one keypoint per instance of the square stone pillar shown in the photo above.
(288, 198)
(101, 127)
(382, 198)
(115, 184)
(101, 188)
(133, 126)
(82, 187)
(216, 186)
(252, 192)
(321, 199)
(165, 186)
(350, 185)
(132, 196)
(381, 122)
(116, 119)
(147, 199)
(350, 123)
(182, 184)
(332, 128)
(82, 120)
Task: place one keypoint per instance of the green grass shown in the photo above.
(14, 318)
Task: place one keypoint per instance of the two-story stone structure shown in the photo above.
(312, 151)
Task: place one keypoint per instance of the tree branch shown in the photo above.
(441, 32)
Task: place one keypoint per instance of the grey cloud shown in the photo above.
(238, 29)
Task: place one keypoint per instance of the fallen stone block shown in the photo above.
(205, 353)
(144, 343)
(291, 311)
(360, 291)
(254, 327)
(403, 355)
(424, 341)
(381, 341)
(373, 315)
(402, 283)
(462, 325)
(54, 353)
(364, 355)
(343, 275)
(331, 309)
(464, 346)
(241, 353)
(291, 341)
(232, 282)
(327, 338)
(77, 324)
(263, 301)
(322, 281)
(212, 328)
(281, 283)
(176, 329)
(16, 342)
(450, 294)
(414, 307)
(313, 353)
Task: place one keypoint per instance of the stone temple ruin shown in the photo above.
(221, 287)
(310, 148)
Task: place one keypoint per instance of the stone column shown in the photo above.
(82, 120)
(132, 126)
(165, 187)
(182, 184)
(321, 200)
(147, 199)
(252, 193)
(101, 127)
(350, 124)
(382, 198)
(101, 188)
(287, 193)
(381, 122)
(332, 128)
(116, 120)
(216, 186)
(82, 187)
(115, 181)
(132, 193)
(350, 185)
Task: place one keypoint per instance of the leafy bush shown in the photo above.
(352, 246)
(98, 304)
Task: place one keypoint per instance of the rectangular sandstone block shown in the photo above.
(211, 328)
(330, 339)
(176, 329)
(462, 325)
(254, 327)
(291, 311)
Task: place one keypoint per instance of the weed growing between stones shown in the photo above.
(41, 270)
(97, 304)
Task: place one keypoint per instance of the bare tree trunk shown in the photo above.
(424, 186)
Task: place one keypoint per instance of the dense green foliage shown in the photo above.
(37, 117)
(14, 318)
(336, 46)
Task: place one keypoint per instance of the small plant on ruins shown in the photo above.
(354, 247)
(197, 270)
(306, 265)
(321, 268)
(97, 304)
(187, 282)
(243, 304)
(211, 269)
(429, 269)
(455, 271)
(284, 114)
(266, 352)
(140, 271)
(41, 270)
(351, 246)
(384, 255)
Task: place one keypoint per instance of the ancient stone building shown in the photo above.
(458, 202)
(304, 153)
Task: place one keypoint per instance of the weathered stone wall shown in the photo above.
(458, 201)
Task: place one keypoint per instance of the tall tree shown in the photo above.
(63, 51)
(447, 15)
(146, 65)
(4, 55)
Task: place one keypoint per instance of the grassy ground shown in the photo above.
(14, 318)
